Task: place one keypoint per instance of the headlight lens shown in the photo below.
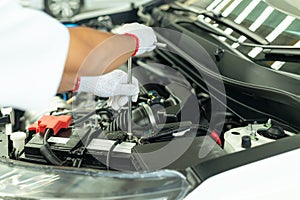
(44, 182)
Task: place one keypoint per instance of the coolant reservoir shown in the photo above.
(234, 138)
(238, 139)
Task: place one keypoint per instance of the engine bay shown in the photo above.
(170, 129)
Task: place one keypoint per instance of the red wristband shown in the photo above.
(137, 42)
(77, 84)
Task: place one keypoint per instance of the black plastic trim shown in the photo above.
(216, 166)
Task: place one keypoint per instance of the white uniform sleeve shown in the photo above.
(33, 51)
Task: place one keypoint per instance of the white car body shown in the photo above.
(273, 178)
(65, 10)
(87, 4)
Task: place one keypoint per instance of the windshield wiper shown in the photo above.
(272, 52)
(223, 21)
(281, 50)
(282, 54)
(278, 52)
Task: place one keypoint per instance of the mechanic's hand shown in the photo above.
(145, 37)
(113, 85)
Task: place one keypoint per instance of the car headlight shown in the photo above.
(43, 182)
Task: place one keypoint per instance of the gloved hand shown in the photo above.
(145, 37)
(113, 85)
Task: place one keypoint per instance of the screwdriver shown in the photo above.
(129, 81)
(129, 113)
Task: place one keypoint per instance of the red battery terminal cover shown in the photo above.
(54, 123)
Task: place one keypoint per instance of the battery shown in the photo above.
(62, 145)
(97, 152)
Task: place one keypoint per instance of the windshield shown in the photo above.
(257, 16)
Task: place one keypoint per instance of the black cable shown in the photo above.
(83, 140)
(168, 135)
(110, 151)
(88, 138)
(88, 115)
(46, 151)
(47, 135)
(119, 137)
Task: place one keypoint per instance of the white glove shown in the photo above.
(113, 85)
(145, 36)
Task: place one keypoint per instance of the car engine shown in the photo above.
(170, 114)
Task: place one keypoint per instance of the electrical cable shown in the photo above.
(110, 151)
(87, 139)
(83, 139)
(108, 154)
(168, 135)
(119, 138)
(46, 151)
(88, 115)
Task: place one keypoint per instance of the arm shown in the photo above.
(93, 53)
